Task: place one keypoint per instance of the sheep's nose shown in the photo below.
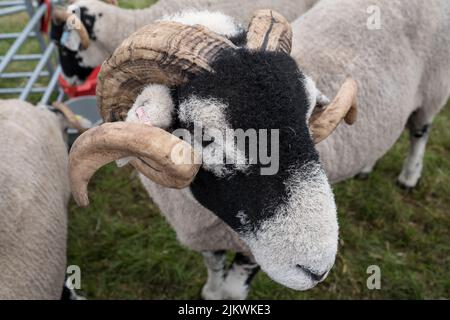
(315, 276)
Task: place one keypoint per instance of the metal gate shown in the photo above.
(42, 70)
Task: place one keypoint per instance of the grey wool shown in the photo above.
(34, 192)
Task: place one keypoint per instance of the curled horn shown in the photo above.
(158, 154)
(164, 53)
(60, 15)
(323, 122)
(269, 30)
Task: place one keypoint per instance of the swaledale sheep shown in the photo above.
(34, 193)
(287, 221)
(402, 70)
(290, 243)
(108, 25)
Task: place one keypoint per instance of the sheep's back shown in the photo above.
(239, 10)
(397, 69)
(34, 192)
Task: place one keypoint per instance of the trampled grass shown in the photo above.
(126, 250)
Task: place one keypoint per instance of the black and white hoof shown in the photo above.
(410, 175)
(209, 293)
(413, 165)
(70, 294)
(215, 262)
(231, 283)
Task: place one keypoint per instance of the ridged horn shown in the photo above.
(343, 106)
(159, 155)
(269, 31)
(165, 53)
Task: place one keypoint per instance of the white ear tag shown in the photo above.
(71, 40)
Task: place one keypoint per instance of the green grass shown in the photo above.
(126, 250)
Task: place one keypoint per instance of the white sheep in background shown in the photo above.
(34, 193)
(108, 25)
(402, 70)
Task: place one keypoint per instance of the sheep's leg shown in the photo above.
(215, 262)
(418, 126)
(69, 293)
(232, 283)
(237, 281)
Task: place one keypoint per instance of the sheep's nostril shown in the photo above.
(315, 276)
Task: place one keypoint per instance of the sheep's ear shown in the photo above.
(324, 120)
(317, 100)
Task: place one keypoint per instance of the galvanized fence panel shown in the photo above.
(45, 66)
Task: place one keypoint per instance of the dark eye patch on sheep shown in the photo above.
(88, 21)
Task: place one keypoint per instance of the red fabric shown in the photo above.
(85, 89)
(45, 21)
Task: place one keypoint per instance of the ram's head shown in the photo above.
(75, 31)
(170, 76)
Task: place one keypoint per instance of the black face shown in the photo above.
(70, 61)
(262, 91)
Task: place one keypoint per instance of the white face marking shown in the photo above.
(303, 231)
(243, 218)
(209, 115)
(214, 21)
